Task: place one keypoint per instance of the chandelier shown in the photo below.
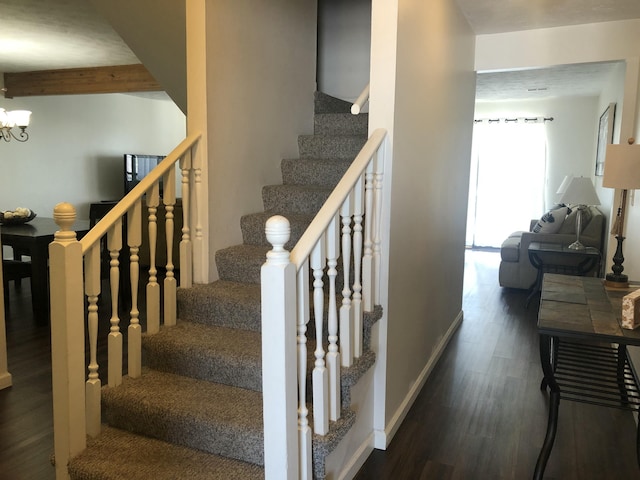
(14, 118)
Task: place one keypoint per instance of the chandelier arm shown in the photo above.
(23, 136)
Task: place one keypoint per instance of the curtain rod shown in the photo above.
(515, 120)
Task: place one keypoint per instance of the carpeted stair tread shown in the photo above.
(241, 263)
(323, 103)
(295, 198)
(117, 454)
(175, 409)
(325, 172)
(252, 226)
(340, 124)
(330, 146)
(216, 354)
(222, 303)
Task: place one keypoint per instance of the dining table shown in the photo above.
(32, 239)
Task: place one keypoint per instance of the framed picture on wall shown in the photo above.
(605, 136)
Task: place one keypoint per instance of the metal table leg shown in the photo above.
(547, 354)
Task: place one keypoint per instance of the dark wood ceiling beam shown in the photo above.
(72, 81)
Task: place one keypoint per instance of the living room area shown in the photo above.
(519, 207)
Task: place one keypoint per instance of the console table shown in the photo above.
(583, 350)
(557, 258)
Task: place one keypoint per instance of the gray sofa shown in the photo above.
(516, 270)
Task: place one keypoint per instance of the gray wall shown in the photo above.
(261, 61)
(434, 102)
(344, 42)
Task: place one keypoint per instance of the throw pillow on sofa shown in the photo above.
(551, 221)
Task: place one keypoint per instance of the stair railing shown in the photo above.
(360, 102)
(356, 206)
(75, 276)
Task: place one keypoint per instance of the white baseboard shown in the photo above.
(381, 439)
(357, 460)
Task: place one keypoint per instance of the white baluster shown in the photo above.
(367, 259)
(279, 384)
(153, 288)
(134, 239)
(170, 285)
(186, 249)
(304, 430)
(93, 383)
(376, 226)
(333, 355)
(199, 244)
(358, 204)
(114, 245)
(346, 323)
(320, 375)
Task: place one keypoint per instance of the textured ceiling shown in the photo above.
(499, 16)
(558, 81)
(52, 34)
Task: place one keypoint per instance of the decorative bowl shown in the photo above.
(16, 217)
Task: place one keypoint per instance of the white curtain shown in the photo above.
(507, 180)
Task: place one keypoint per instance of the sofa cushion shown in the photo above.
(509, 252)
(552, 221)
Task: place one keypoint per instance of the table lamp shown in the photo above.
(622, 171)
(580, 192)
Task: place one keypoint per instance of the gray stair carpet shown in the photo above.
(196, 411)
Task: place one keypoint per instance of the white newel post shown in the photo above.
(67, 340)
(279, 375)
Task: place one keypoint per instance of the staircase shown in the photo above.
(196, 412)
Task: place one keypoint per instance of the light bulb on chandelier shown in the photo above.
(11, 119)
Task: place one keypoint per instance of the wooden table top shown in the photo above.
(39, 227)
(582, 307)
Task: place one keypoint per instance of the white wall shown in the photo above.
(632, 243)
(570, 136)
(261, 69)
(433, 100)
(344, 43)
(76, 146)
(543, 47)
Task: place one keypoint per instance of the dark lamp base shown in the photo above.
(613, 280)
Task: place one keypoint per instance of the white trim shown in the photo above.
(357, 460)
(383, 438)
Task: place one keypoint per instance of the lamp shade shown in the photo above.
(622, 167)
(20, 118)
(580, 191)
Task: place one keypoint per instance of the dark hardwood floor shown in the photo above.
(26, 425)
(481, 414)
